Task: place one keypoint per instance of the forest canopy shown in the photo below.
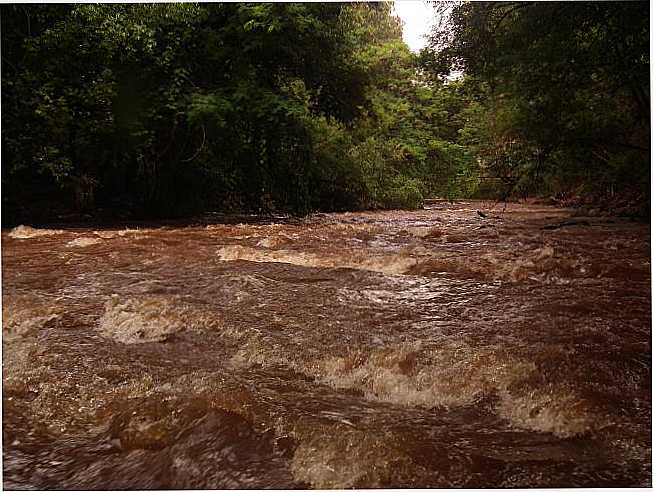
(173, 109)
(563, 93)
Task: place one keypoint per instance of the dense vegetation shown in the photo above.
(561, 95)
(171, 109)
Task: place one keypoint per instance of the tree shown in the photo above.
(169, 109)
(567, 86)
(164, 107)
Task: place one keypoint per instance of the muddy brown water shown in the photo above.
(433, 348)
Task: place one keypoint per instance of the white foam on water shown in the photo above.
(150, 318)
(273, 241)
(26, 316)
(339, 457)
(391, 264)
(120, 233)
(450, 375)
(553, 409)
(407, 293)
(154, 318)
(424, 232)
(82, 242)
(533, 265)
(540, 265)
(27, 232)
(140, 320)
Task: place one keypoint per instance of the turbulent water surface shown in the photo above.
(434, 348)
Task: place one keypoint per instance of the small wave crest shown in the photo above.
(83, 242)
(540, 265)
(151, 318)
(450, 375)
(391, 264)
(25, 316)
(274, 241)
(342, 457)
(121, 233)
(424, 232)
(553, 408)
(27, 232)
(184, 443)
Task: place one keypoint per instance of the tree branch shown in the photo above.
(172, 139)
(4, 59)
(198, 150)
(519, 5)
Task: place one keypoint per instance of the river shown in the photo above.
(433, 348)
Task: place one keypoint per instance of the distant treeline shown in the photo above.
(173, 109)
(562, 91)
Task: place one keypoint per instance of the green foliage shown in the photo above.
(167, 109)
(403, 192)
(560, 90)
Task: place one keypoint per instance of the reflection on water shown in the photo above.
(433, 348)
